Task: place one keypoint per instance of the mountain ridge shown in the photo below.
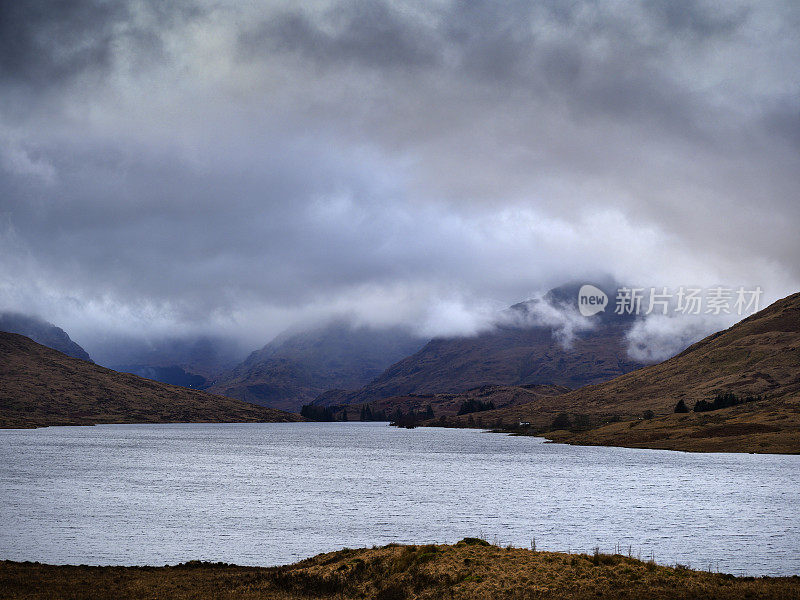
(536, 342)
(43, 387)
(297, 366)
(42, 332)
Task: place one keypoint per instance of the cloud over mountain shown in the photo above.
(220, 168)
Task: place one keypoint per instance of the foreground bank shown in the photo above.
(470, 569)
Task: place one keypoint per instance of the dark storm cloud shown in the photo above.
(224, 165)
(42, 41)
(508, 44)
(366, 32)
(696, 19)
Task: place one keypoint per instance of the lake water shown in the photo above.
(265, 494)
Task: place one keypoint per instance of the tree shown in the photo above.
(681, 407)
(316, 413)
(562, 421)
(429, 412)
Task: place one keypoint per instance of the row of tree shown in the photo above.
(366, 413)
(723, 400)
(412, 418)
(320, 413)
(473, 406)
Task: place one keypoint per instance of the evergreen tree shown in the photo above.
(562, 421)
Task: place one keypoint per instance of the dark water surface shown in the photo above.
(264, 494)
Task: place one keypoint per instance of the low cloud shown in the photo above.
(659, 337)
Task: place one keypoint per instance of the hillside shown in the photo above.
(297, 366)
(522, 349)
(43, 333)
(40, 386)
(449, 405)
(471, 569)
(759, 356)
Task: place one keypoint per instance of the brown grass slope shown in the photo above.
(505, 355)
(40, 387)
(448, 405)
(758, 356)
(468, 570)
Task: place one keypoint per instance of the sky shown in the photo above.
(237, 168)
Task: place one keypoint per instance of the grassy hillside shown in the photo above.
(759, 356)
(468, 570)
(40, 386)
(448, 405)
(771, 426)
(506, 355)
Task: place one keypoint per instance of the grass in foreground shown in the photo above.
(470, 569)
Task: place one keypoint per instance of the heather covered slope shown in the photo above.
(40, 386)
(469, 570)
(759, 356)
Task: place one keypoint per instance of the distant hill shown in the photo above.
(528, 346)
(759, 356)
(190, 361)
(173, 374)
(42, 332)
(40, 386)
(297, 366)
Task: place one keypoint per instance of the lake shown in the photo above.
(266, 494)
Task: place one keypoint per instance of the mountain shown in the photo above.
(297, 366)
(172, 374)
(757, 357)
(537, 342)
(40, 386)
(189, 361)
(42, 332)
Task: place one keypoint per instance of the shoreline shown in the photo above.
(615, 435)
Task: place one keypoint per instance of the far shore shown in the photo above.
(678, 433)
